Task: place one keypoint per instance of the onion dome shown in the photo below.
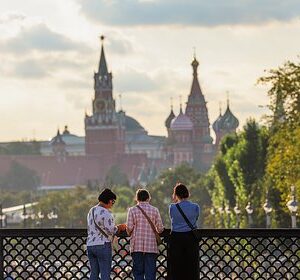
(181, 122)
(169, 119)
(216, 124)
(228, 121)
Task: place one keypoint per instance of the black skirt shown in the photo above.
(183, 256)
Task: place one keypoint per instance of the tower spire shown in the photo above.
(180, 104)
(195, 90)
(102, 63)
(194, 53)
(195, 65)
(227, 98)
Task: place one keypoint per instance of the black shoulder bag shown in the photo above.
(195, 231)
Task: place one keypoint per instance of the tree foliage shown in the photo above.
(240, 167)
(283, 163)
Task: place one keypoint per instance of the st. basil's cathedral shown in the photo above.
(113, 138)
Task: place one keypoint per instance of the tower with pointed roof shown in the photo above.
(196, 110)
(104, 133)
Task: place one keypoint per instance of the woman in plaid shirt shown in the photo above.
(143, 245)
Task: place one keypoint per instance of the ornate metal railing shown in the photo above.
(224, 254)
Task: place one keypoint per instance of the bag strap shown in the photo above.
(98, 227)
(148, 219)
(184, 216)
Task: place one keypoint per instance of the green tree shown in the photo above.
(283, 164)
(125, 198)
(70, 206)
(284, 94)
(240, 167)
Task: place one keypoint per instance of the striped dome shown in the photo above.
(181, 122)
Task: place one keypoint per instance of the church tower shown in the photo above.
(105, 135)
(196, 110)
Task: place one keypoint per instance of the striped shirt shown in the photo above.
(105, 220)
(142, 236)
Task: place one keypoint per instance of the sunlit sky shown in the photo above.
(50, 49)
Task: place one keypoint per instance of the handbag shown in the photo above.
(196, 233)
(157, 236)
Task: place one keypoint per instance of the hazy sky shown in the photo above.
(49, 50)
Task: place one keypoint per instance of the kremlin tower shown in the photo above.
(104, 132)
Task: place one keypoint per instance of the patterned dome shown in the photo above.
(228, 121)
(181, 122)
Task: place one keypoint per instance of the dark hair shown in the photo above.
(142, 195)
(106, 195)
(181, 191)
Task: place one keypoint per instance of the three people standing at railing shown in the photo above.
(143, 224)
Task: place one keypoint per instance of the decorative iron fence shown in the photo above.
(224, 254)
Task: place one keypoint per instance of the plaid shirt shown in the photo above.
(142, 236)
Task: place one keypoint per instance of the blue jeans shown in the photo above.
(100, 257)
(144, 266)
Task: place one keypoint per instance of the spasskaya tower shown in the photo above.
(105, 133)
